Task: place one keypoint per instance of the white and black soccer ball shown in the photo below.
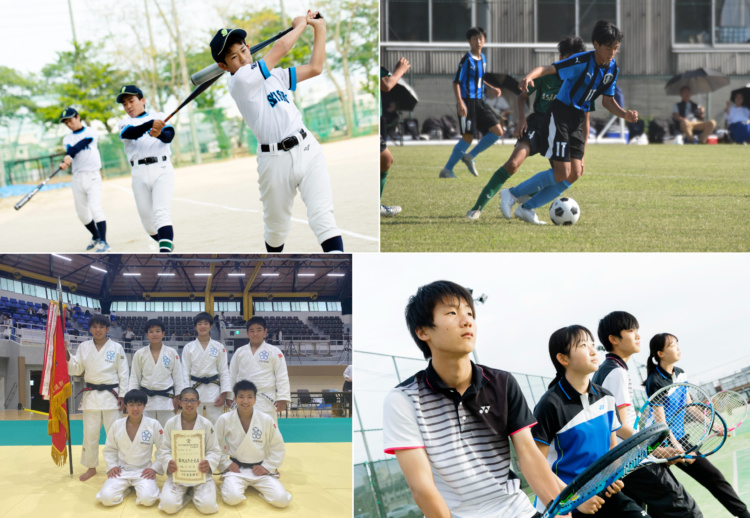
(564, 211)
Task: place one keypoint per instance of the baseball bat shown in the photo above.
(38, 188)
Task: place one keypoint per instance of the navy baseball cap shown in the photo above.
(68, 113)
(220, 41)
(129, 90)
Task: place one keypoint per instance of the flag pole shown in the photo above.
(67, 414)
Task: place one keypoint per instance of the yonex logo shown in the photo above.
(484, 409)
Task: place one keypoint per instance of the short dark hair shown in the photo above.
(571, 45)
(154, 322)
(606, 33)
(135, 396)
(189, 390)
(422, 304)
(244, 385)
(475, 31)
(614, 324)
(99, 319)
(256, 320)
(203, 316)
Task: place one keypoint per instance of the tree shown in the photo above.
(15, 95)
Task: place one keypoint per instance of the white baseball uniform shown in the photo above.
(264, 100)
(132, 457)
(107, 366)
(206, 363)
(159, 375)
(173, 496)
(153, 184)
(87, 177)
(267, 370)
(262, 443)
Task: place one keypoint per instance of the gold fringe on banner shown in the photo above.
(60, 457)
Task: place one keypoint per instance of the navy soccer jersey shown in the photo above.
(584, 80)
(470, 76)
(577, 427)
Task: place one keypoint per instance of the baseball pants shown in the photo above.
(270, 489)
(87, 195)
(175, 496)
(92, 425)
(114, 490)
(153, 186)
(280, 175)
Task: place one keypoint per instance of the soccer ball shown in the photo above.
(564, 211)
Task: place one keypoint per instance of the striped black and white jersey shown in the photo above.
(465, 437)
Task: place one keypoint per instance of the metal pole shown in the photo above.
(72, 25)
(70, 399)
(373, 475)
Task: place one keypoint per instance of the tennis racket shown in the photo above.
(732, 406)
(610, 467)
(715, 440)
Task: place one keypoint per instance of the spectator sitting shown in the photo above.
(174, 336)
(30, 312)
(738, 120)
(690, 116)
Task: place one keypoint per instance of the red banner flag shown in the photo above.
(55, 386)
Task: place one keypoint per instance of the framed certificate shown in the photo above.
(188, 450)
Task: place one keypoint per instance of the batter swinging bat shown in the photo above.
(38, 188)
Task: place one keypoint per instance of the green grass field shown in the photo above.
(655, 198)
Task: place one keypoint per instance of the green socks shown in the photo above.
(383, 176)
(492, 188)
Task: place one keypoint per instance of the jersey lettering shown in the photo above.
(276, 97)
(560, 149)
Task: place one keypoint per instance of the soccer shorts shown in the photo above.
(536, 133)
(565, 138)
(382, 144)
(479, 117)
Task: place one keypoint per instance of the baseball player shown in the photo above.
(82, 153)
(146, 139)
(289, 157)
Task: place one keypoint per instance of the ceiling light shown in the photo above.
(98, 269)
(131, 274)
(63, 257)
(202, 274)
(165, 274)
(235, 274)
(270, 274)
(305, 275)
(336, 275)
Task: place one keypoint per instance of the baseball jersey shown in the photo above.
(614, 377)
(465, 438)
(264, 100)
(144, 146)
(584, 80)
(88, 159)
(470, 76)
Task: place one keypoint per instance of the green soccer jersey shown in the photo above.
(546, 88)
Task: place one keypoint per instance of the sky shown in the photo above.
(701, 298)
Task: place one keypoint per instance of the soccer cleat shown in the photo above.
(469, 161)
(473, 214)
(93, 244)
(528, 215)
(103, 247)
(507, 200)
(389, 211)
(446, 173)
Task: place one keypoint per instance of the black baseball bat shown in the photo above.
(38, 188)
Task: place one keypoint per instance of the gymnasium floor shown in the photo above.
(318, 474)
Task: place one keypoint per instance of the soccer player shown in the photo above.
(654, 485)
(105, 372)
(532, 132)
(585, 77)
(450, 425)
(473, 113)
(577, 420)
(387, 82)
(664, 352)
(128, 450)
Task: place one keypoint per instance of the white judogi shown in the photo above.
(87, 178)
(153, 184)
(263, 98)
(132, 457)
(204, 363)
(107, 366)
(160, 375)
(267, 370)
(173, 496)
(261, 443)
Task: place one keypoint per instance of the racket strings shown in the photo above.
(732, 407)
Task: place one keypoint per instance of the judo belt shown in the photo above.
(205, 381)
(162, 393)
(103, 388)
(245, 464)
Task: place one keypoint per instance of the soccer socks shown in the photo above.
(492, 187)
(101, 228)
(91, 227)
(270, 248)
(534, 184)
(458, 152)
(165, 237)
(486, 141)
(383, 176)
(334, 244)
(546, 195)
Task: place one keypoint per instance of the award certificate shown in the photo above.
(188, 451)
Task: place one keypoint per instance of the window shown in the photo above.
(29, 289)
(41, 292)
(434, 20)
(732, 21)
(262, 306)
(692, 21)
(333, 306)
(450, 19)
(556, 19)
(711, 22)
(130, 306)
(4, 284)
(407, 20)
(17, 286)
